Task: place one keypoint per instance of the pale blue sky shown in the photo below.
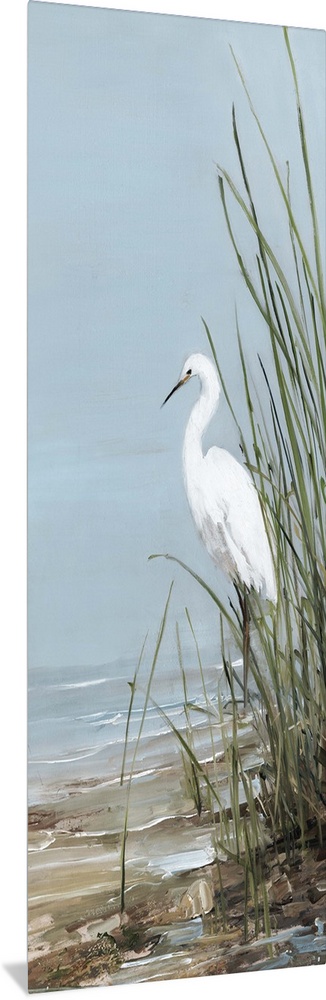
(128, 114)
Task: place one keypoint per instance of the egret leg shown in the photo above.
(243, 601)
(246, 648)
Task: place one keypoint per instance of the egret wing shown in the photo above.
(233, 506)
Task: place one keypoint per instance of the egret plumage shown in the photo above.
(223, 499)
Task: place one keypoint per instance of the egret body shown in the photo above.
(223, 500)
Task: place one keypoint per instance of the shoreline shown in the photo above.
(178, 921)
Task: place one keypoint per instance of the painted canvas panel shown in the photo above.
(177, 661)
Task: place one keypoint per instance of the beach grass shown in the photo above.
(285, 454)
(287, 464)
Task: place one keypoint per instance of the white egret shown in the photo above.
(223, 501)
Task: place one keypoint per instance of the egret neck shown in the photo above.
(200, 417)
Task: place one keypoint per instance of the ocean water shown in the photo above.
(77, 719)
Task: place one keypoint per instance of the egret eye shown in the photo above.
(188, 372)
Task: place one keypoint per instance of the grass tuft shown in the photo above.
(286, 457)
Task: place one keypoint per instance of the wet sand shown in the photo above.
(185, 914)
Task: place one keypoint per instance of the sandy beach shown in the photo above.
(185, 914)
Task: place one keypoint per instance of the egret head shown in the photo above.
(196, 364)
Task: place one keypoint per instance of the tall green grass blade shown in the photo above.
(147, 697)
(132, 685)
(191, 777)
(205, 586)
(200, 769)
(279, 181)
(305, 157)
(263, 242)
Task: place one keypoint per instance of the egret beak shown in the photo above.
(177, 386)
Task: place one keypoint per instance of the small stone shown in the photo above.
(280, 890)
(317, 891)
(197, 900)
